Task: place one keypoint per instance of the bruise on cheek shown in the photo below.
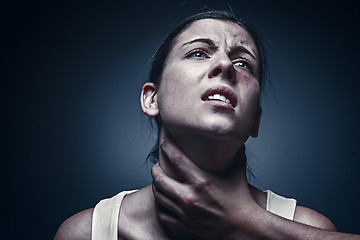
(247, 80)
(249, 86)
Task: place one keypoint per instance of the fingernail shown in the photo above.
(161, 141)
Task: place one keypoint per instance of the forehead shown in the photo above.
(220, 31)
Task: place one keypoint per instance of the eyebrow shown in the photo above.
(242, 49)
(210, 42)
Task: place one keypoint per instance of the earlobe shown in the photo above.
(148, 100)
(255, 131)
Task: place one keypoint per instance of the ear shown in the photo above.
(255, 130)
(148, 100)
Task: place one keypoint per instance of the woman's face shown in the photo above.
(210, 82)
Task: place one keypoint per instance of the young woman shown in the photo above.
(204, 92)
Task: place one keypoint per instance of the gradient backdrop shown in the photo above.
(74, 131)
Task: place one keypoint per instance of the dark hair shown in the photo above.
(158, 60)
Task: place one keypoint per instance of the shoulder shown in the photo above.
(313, 218)
(77, 227)
(302, 214)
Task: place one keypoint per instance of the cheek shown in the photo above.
(246, 79)
(171, 93)
(176, 82)
(250, 88)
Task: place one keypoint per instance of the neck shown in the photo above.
(212, 155)
(220, 157)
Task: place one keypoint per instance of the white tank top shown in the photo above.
(106, 213)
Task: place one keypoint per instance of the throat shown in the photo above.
(212, 155)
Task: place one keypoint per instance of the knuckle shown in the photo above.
(154, 170)
(158, 180)
(201, 183)
(190, 201)
(177, 159)
(162, 217)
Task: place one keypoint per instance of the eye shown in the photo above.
(241, 63)
(197, 53)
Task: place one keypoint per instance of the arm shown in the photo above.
(274, 227)
(77, 227)
(207, 205)
(202, 203)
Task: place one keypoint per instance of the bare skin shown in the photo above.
(138, 221)
(208, 196)
(240, 207)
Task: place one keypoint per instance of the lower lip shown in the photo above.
(220, 104)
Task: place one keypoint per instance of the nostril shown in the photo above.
(217, 71)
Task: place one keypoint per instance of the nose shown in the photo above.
(223, 67)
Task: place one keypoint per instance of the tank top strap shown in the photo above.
(105, 217)
(281, 206)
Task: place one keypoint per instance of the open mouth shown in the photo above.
(220, 93)
(218, 97)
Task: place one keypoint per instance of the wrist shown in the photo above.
(250, 223)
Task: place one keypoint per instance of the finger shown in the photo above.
(167, 185)
(171, 221)
(167, 202)
(179, 161)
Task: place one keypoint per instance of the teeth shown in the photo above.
(219, 97)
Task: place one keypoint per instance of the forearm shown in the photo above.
(214, 207)
(272, 227)
(285, 229)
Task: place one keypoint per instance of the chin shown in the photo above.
(224, 131)
(218, 167)
(212, 129)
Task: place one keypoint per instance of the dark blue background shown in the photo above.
(73, 124)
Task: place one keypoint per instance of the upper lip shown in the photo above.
(222, 90)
